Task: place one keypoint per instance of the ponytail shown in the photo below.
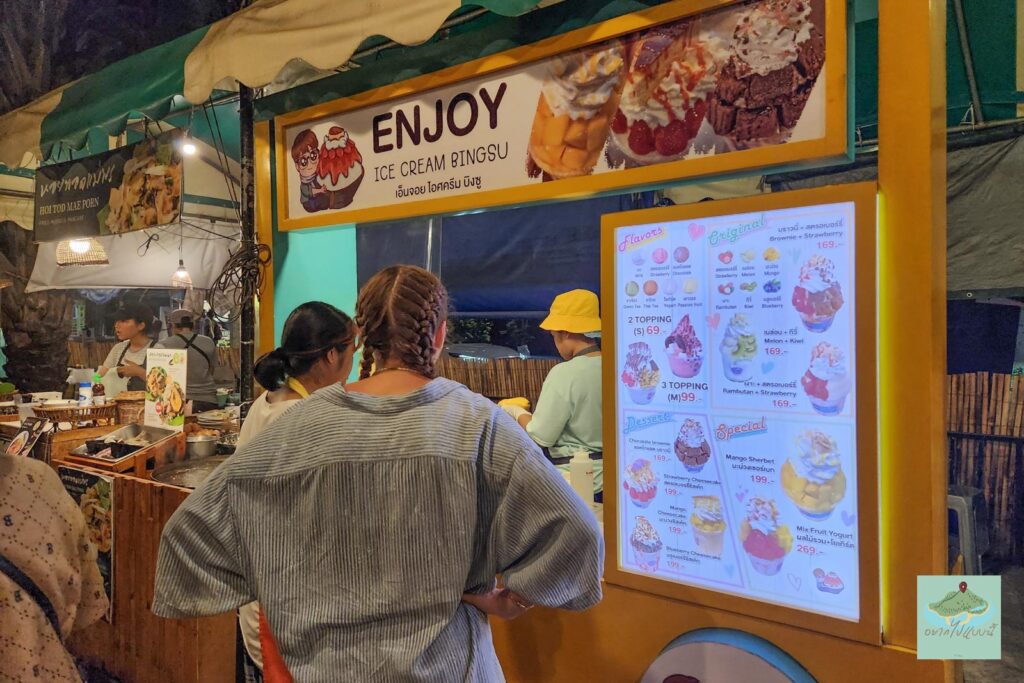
(271, 370)
(310, 333)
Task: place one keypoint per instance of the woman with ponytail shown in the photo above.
(316, 351)
(371, 521)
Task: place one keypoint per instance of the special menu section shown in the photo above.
(735, 342)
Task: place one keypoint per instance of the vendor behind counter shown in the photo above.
(202, 358)
(567, 418)
(124, 367)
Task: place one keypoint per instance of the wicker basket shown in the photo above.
(99, 414)
(130, 412)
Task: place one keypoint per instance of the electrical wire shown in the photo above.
(241, 280)
(222, 156)
(216, 235)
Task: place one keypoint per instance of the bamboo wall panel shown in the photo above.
(985, 424)
(92, 354)
(500, 378)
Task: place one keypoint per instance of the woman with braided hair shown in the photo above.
(370, 521)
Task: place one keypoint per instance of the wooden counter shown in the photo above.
(138, 646)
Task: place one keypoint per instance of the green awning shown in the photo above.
(250, 46)
(147, 84)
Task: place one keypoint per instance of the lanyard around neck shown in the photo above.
(296, 386)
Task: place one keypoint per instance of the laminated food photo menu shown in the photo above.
(736, 433)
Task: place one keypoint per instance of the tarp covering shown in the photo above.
(132, 264)
(985, 249)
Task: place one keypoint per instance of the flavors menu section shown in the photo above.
(736, 413)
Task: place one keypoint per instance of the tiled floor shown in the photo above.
(1011, 667)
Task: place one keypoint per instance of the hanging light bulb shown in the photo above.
(188, 148)
(181, 279)
(80, 246)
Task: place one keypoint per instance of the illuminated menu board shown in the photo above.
(736, 424)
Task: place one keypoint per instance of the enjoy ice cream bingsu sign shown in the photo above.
(727, 84)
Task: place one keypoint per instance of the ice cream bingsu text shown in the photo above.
(418, 124)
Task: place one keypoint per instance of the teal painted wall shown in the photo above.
(314, 265)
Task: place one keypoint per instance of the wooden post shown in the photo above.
(912, 304)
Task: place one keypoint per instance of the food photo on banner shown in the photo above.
(165, 388)
(94, 494)
(714, 84)
(125, 189)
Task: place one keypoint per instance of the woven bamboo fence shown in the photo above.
(985, 426)
(92, 354)
(500, 378)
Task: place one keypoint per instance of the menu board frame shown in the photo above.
(864, 196)
(833, 143)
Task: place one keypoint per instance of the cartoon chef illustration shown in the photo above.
(306, 155)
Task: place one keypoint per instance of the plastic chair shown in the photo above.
(971, 539)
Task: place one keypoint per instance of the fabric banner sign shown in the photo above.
(737, 87)
(94, 494)
(165, 388)
(129, 188)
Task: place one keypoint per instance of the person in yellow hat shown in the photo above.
(568, 414)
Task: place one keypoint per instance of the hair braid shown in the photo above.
(399, 312)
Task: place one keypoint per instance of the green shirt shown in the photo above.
(567, 418)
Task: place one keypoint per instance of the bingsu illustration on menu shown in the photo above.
(641, 373)
(735, 353)
(685, 352)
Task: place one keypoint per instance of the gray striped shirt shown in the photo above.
(358, 521)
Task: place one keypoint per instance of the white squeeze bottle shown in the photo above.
(581, 476)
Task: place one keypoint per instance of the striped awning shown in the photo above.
(253, 46)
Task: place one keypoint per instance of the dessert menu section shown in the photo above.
(736, 411)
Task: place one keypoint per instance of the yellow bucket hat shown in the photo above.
(576, 311)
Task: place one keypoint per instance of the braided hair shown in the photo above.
(398, 313)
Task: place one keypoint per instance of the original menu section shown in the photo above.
(736, 405)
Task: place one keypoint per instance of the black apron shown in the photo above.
(190, 345)
(134, 383)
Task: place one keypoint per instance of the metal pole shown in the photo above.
(248, 332)
(965, 48)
